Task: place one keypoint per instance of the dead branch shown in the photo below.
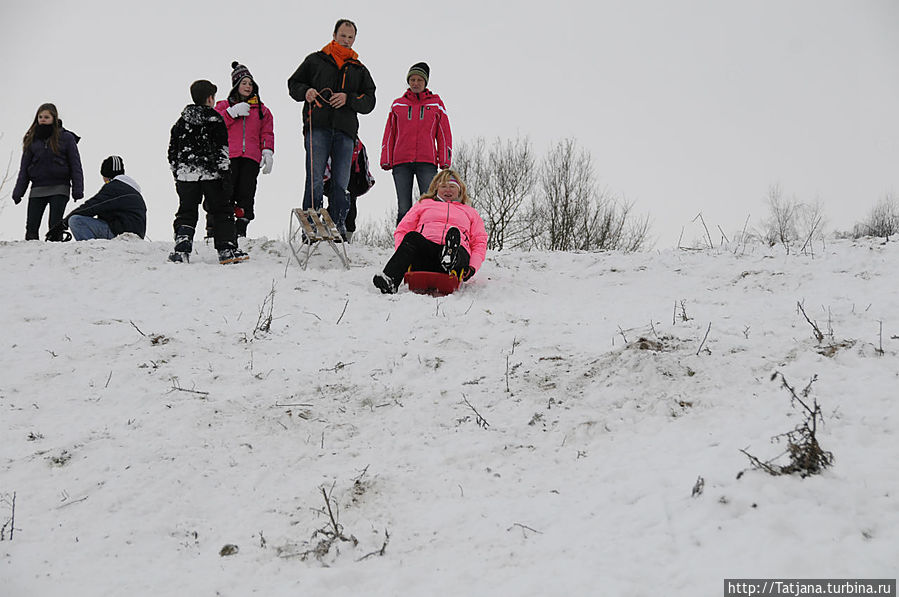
(524, 527)
(11, 522)
(334, 526)
(340, 365)
(176, 387)
(331, 532)
(818, 334)
(742, 236)
(724, 236)
(479, 420)
(378, 552)
(345, 305)
(264, 319)
(765, 466)
(704, 338)
(69, 503)
(137, 328)
(806, 455)
(709, 236)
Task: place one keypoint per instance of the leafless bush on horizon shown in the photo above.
(377, 233)
(791, 221)
(882, 221)
(4, 180)
(570, 212)
(500, 179)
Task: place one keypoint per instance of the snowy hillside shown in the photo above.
(538, 433)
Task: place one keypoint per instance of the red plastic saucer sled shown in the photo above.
(433, 283)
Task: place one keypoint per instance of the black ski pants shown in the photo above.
(217, 203)
(244, 175)
(418, 254)
(36, 208)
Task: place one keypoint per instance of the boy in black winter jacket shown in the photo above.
(198, 156)
(117, 208)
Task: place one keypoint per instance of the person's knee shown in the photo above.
(78, 226)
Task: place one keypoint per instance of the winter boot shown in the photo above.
(349, 235)
(184, 245)
(450, 249)
(232, 255)
(384, 283)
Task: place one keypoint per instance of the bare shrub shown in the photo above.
(378, 233)
(791, 221)
(471, 162)
(805, 454)
(503, 178)
(882, 221)
(5, 177)
(569, 212)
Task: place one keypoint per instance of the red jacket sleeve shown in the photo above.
(388, 142)
(267, 134)
(444, 139)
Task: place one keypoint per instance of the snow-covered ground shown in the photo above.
(538, 433)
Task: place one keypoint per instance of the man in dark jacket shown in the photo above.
(336, 88)
(117, 208)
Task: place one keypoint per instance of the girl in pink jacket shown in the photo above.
(417, 138)
(441, 233)
(251, 143)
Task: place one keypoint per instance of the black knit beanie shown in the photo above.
(238, 72)
(421, 69)
(112, 167)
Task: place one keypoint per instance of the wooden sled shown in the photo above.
(433, 283)
(309, 228)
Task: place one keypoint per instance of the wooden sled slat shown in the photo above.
(309, 228)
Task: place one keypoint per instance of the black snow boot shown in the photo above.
(184, 245)
(450, 249)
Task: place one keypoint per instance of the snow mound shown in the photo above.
(198, 429)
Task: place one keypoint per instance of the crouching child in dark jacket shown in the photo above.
(198, 156)
(116, 209)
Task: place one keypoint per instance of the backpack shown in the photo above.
(361, 179)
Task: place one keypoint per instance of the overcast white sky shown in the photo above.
(686, 106)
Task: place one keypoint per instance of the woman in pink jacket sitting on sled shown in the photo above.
(441, 233)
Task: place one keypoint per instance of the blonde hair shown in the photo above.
(444, 177)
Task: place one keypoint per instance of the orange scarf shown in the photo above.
(339, 53)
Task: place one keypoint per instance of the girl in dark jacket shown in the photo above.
(52, 165)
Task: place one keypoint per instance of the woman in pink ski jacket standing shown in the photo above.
(441, 233)
(417, 138)
(251, 143)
